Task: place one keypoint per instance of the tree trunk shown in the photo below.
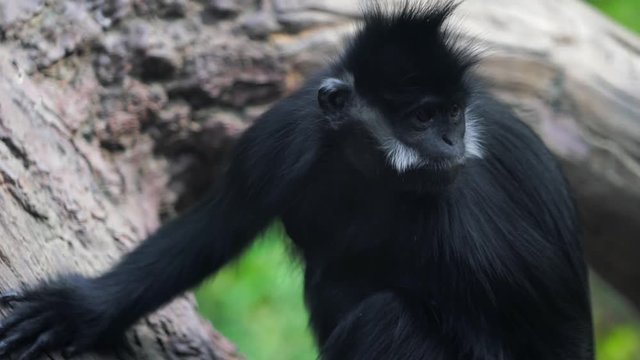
(574, 76)
(65, 208)
(115, 114)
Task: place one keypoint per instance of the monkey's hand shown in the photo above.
(62, 314)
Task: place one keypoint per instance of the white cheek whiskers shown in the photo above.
(400, 156)
(473, 147)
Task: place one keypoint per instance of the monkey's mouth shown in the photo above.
(441, 175)
(430, 177)
(442, 165)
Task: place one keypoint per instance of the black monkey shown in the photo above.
(433, 223)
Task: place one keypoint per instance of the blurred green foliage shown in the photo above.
(626, 12)
(617, 326)
(257, 302)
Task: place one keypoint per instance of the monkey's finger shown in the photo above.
(14, 319)
(43, 342)
(125, 350)
(11, 343)
(9, 297)
(70, 352)
(22, 334)
(75, 347)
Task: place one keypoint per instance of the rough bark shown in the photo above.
(574, 76)
(66, 208)
(115, 114)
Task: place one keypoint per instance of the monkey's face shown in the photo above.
(428, 135)
(423, 145)
(420, 143)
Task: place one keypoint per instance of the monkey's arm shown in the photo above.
(268, 162)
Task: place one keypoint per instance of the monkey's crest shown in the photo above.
(405, 49)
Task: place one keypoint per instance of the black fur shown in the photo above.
(486, 265)
(397, 58)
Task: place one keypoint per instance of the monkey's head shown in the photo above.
(404, 85)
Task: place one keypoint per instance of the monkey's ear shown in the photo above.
(333, 96)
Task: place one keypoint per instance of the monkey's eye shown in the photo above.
(454, 111)
(424, 114)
